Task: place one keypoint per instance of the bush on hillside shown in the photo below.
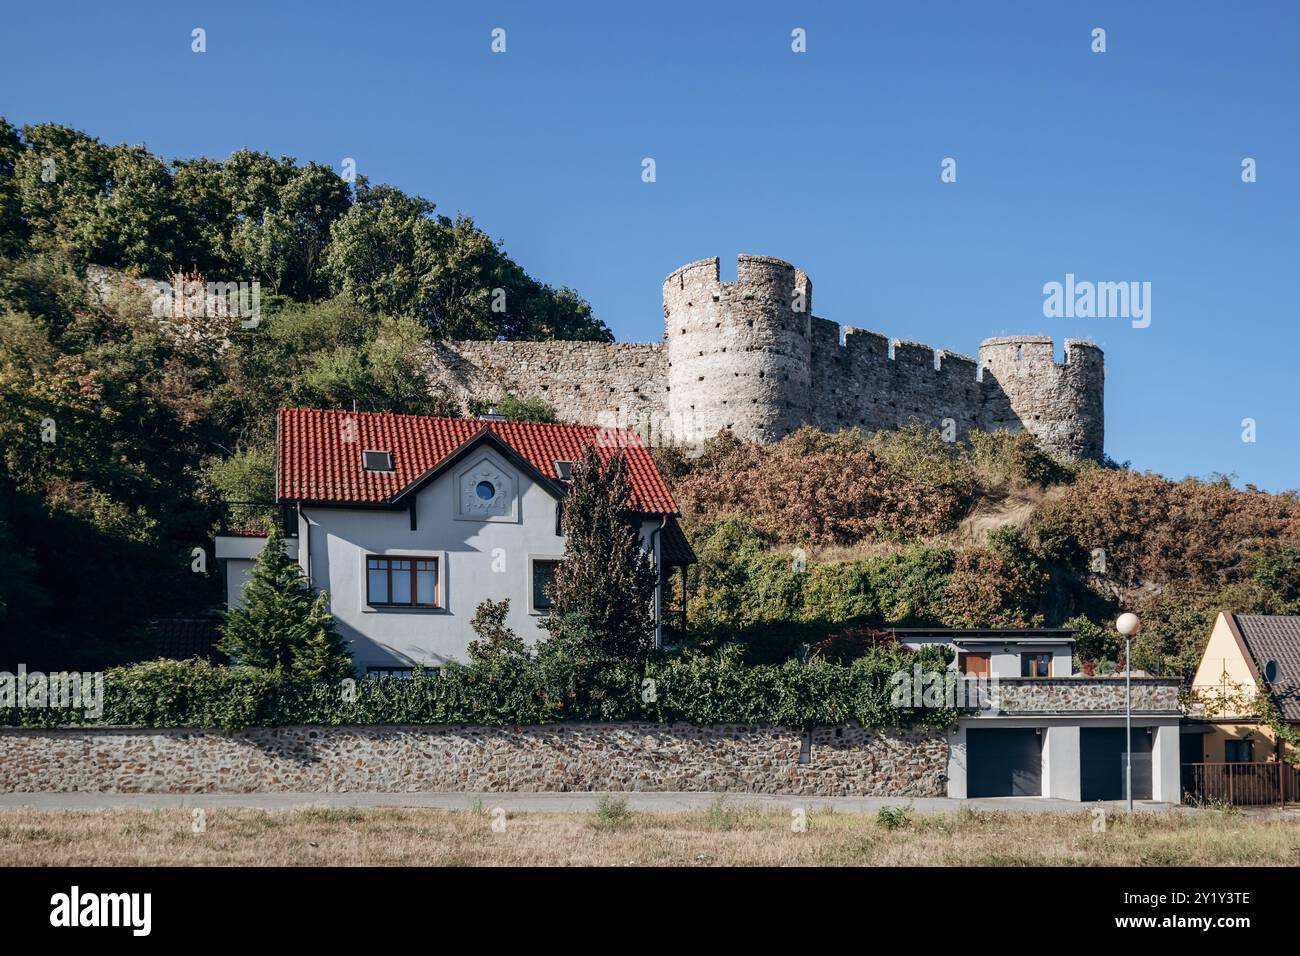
(813, 488)
(840, 591)
(1002, 585)
(848, 645)
(1155, 532)
(1013, 458)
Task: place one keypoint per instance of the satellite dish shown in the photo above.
(1270, 671)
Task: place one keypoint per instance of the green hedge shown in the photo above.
(691, 688)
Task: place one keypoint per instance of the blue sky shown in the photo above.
(1124, 165)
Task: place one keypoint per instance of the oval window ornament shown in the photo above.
(485, 490)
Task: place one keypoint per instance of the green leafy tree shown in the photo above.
(282, 215)
(244, 485)
(1094, 642)
(206, 213)
(394, 255)
(110, 205)
(13, 230)
(517, 409)
(282, 623)
(496, 640)
(603, 591)
(60, 176)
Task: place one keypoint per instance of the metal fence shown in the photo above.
(1242, 784)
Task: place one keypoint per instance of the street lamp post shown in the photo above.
(1128, 624)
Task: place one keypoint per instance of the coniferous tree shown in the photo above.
(602, 596)
(282, 624)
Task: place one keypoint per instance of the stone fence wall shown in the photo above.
(844, 760)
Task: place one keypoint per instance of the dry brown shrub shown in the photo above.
(1155, 531)
(816, 489)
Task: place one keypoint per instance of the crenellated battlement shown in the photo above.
(749, 356)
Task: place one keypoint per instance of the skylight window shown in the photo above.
(377, 460)
(563, 470)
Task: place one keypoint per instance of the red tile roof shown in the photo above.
(674, 549)
(316, 462)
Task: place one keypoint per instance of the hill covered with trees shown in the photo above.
(815, 540)
(121, 436)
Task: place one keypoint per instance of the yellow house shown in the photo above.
(1247, 655)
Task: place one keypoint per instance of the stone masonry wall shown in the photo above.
(750, 356)
(600, 383)
(860, 384)
(845, 760)
(1090, 695)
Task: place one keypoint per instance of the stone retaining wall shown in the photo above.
(845, 760)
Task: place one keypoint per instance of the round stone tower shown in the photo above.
(1061, 405)
(739, 353)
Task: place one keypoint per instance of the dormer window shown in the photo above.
(377, 460)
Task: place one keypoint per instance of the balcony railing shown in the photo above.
(1242, 783)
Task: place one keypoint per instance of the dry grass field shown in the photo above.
(725, 834)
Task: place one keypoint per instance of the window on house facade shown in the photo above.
(1239, 751)
(1035, 665)
(543, 578)
(402, 582)
(974, 663)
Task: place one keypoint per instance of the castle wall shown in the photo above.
(750, 357)
(605, 383)
(859, 384)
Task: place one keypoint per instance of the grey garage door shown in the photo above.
(1004, 763)
(1101, 757)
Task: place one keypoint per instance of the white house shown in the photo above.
(410, 522)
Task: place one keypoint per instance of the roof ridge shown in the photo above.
(461, 418)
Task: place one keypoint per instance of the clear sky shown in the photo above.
(1115, 166)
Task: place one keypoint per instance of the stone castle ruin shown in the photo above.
(751, 357)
